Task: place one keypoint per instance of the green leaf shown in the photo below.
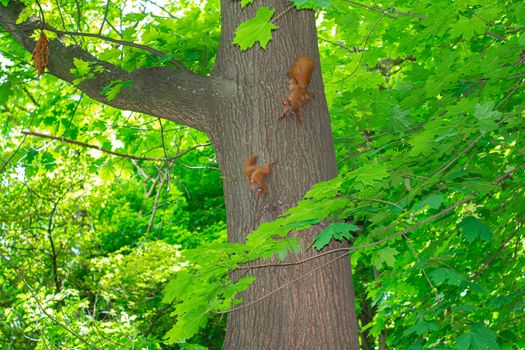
(467, 27)
(245, 2)
(370, 174)
(256, 29)
(463, 342)
(5, 92)
(483, 338)
(24, 15)
(82, 71)
(422, 327)
(415, 346)
(312, 4)
(433, 201)
(301, 225)
(440, 275)
(385, 256)
(399, 120)
(113, 89)
(325, 189)
(337, 231)
(289, 246)
(82, 67)
(48, 160)
(486, 117)
(189, 325)
(474, 228)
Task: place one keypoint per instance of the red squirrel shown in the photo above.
(249, 166)
(256, 174)
(300, 74)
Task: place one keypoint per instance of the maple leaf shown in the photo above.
(255, 29)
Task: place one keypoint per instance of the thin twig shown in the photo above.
(344, 47)
(284, 285)
(198, 166)
(164, 147)
(54, 254)
(163, 9)
(43, 20)
(494, 35)
(156, 201)
(410, 14)
(508, 174)
(61, 15)
(120, 42)
(465, 150)
(411, 246)
(13, 154)
(281, 14)
(364, 46)
(379, 201)
(510, 94)
(105, 17)
(31, 97)
(73, 114)
(493, 256)
(392, 13)
(371, 8)
(101, 149)
(17, 148)
(79, 15)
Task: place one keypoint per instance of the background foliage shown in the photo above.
(426, 101)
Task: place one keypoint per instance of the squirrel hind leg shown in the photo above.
(299, 116)
(286, 109)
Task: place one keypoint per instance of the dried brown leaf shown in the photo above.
(41, 54)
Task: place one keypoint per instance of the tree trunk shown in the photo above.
(317, 311)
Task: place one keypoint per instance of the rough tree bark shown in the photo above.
(238, 107)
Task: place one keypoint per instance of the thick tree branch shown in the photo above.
(180, 96)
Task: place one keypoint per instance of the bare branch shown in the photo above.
(392, 13)
(410, 14)
(102, 149)
(432, 287)
(105, 17)
(285, 285)
(17, 148)
(371, 8)
(163, 178)
(497, 36)
(493, 256)
(364, 45)
(119, 42)
(54, 254)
